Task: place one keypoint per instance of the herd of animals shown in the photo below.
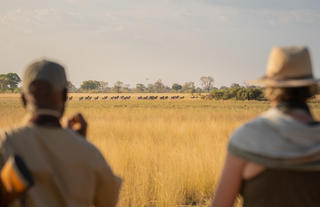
(96, 98)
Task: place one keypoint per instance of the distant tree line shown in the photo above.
(10, 83)
(157, 87)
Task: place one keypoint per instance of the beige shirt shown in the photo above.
(68, 170)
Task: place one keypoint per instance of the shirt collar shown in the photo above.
(45, 117)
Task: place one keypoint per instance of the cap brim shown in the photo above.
(284, 83)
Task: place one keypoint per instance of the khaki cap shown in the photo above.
(47, 71)
(288, 67)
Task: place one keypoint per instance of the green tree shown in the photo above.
(207, 83)
(198, 90)
(176, 87)
(188, 87)
(150, 88)
(71, 88)
(140, 87)
(255, 94)
(159, 87)
(223, 87)
(238, 93)
(3, 83)
(217, 94)
(235, 85)
(90, 85)
(117, 86)
(13, 80)
(103, 86)
(9, 81)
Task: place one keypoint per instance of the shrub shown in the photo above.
(238, 93)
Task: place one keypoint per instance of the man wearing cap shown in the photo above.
(67, 169)
(274, 159)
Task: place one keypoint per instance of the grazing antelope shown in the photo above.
(114, 97)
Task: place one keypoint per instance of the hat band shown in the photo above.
(291, 78)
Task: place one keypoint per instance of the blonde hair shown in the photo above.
(300, 94)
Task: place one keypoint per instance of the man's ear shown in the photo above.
(24, 101)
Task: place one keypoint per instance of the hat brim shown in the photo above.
(284, 83)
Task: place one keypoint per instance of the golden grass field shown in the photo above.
(169, 153)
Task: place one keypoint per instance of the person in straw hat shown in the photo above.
(67, 170)
(274, 160)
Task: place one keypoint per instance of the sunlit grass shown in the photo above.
(169, 153)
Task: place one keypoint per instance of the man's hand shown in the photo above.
(78, 124)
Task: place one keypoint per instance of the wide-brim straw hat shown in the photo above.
(288, 67)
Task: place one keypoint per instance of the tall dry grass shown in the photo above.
(169, 153)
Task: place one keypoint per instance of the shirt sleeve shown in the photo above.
(107, 186)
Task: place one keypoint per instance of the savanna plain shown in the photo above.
(168, 152)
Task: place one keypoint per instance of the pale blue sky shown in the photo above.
(146, 40)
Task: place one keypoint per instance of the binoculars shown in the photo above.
(15, 180)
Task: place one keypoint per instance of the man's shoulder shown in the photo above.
(9, 137)
(13, 132)
(22, 132)
(30, 135)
